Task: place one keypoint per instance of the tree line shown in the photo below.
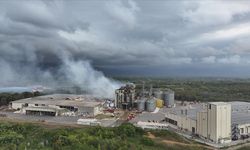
(6, 98)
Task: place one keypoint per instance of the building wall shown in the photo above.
(92, 111)
(224, 121)
(213, 123)
(86, 110)
(183, 122)
(202, 124)
(211, 127)
(17, 105)
(219, 122)
(244, 129)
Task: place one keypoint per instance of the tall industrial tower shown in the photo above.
(219, 121)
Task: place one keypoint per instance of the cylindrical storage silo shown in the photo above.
(168, 97)
(159, 103)
(150, 105)
(141, 105)
(158, 94)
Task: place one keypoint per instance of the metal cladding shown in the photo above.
(150, 105)
(141, 105)
(125, 96)
(168, 97)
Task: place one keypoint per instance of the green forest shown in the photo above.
(199, 89)
(6, 98)
(37, 137)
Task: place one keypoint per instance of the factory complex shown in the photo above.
(125, 98)
(214, 122)
(211, 121)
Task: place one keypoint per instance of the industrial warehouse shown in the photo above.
(214, 122)
(59, 104)
(217, 122)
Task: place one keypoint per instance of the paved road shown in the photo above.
(66, 120)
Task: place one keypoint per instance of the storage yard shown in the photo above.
(213, 122)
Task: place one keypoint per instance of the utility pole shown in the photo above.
(143, 89)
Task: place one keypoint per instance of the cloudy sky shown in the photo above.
(127, 37)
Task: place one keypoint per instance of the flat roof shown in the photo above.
(240, 111)
(191, 110)
(63, 100)
(218, 103)
(148, 116)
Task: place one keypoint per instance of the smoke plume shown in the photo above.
(55, 70)
(32, 52)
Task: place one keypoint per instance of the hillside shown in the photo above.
(31, 136)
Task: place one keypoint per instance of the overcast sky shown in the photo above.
(143, 37)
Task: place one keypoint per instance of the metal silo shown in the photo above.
(159, 103)
(168, 97)
(158, 94)
(141, 105)
(150, 105)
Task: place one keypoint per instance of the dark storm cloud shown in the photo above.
(32, 51)
(47, 37)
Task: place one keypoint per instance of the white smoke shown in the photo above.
(33, 53)
(82, 74)
(71, 73)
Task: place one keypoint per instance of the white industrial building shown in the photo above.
(217, 122)
(151, 125)
(88, 122)
(59, 104)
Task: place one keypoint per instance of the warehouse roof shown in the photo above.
(240, 112)
(148, 116)
(63, 100)
(191, 110)
(218, 103)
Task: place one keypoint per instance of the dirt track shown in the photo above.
(150, 135)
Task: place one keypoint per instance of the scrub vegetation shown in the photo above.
(30, 136)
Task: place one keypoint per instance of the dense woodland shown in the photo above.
(200, 89)
(5, 98)
(30, 137)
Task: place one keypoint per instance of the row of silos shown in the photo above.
(148, 105)
(167, 96)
